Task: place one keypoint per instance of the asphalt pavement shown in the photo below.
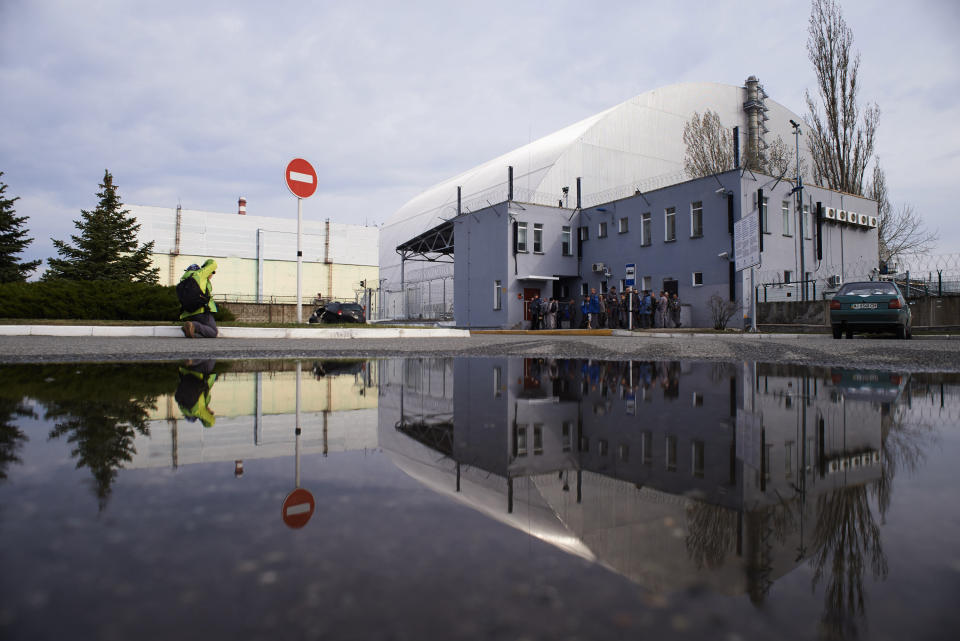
(929, 354)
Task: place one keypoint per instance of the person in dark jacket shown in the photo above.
(199, 323)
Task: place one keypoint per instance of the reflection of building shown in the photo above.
(256, 417)
(672, 474)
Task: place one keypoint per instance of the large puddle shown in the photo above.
(477, 499)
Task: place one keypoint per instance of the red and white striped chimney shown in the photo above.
(243, 206)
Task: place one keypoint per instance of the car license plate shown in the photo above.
(863, 306)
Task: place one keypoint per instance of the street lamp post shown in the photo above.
(798, 188)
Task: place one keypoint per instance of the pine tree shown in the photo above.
(106, 248)
(13, 240)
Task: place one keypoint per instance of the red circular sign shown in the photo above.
(301, 178)
(298, 508)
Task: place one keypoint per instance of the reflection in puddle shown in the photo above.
(675, 475)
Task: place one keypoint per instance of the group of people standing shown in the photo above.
(609, 310)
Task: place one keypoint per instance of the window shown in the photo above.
(645, 282)
(538, 439)
(537, 238)
(787, 276)
(497, 382)
(566, 430)
(671, 453)
(785, 210)
(623, 225)
(624, 453)
(565, 240)
(645, 230)
(696, 219)
(697, 459)
(584, 233)
(698, 399)
(520, 440)
(521, 237)
(670, 224)
(497, 291)
(602, 447)
(808, 223)
(697, 279)
(764, 223)
(646, 448)
(584, 289)
(602, 230)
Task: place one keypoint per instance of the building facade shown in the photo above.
(257, 255)
(678, 238)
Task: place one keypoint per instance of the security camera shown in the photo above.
(723, 255)
(720, 191)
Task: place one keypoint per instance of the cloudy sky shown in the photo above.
(199, 103)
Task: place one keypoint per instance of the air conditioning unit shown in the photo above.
(853, 218)
(835, 281)
(842, 215)
(833, 467)
(830, 214)
(864, 220)
(599, 267)
(873, 221)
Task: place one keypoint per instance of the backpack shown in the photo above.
(190, 295)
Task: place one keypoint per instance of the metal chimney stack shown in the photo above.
(242, 203)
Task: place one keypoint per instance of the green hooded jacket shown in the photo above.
(202, 276)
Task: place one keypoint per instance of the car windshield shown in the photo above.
(868, 289)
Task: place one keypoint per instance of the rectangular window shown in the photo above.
(566, 430)
(623, 226)
(785, 210)
(521, 237)
(697, 459)
(537, 238)
(565, 240)
(788, 459)
(624, 453)
(698, 399)
(584, 233)
(808, 223)
(764, 223)
(497, 381)
(670, 224)
(646, 282)
(646, 448)
(497, 293)
(696, 219)
(602, 230)
(602, 447)
(645, 229)
(787, 276)
(697, 279)
(537, 439)
(671, 453)
(520, 440)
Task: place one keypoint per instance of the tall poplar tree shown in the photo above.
(13, 240)
(106, 248)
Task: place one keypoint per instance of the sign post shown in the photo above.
(301, 179)
(746, 254)
(630, 272)
(298, 506)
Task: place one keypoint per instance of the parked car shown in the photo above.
(873, 306)
(338, 313)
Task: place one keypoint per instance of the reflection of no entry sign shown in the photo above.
(301, 178)
(297, 508)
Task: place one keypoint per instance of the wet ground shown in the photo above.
(497, 497)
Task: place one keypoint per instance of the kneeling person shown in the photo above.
(196, 302)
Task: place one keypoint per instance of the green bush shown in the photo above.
(92, 300)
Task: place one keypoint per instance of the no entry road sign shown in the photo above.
(298, 508)
(301, 178)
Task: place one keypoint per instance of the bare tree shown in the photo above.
(721, 310)
(902, 231)
(709, 145)
(840, 141)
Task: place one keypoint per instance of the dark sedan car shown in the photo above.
(872, 306)
(339, 313)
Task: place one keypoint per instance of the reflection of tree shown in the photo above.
(903, 449)
(102, 433)
(711, 534)
(846, 539)
(11, 436)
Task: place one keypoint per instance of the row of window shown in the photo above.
(522, 447)
(808, 220)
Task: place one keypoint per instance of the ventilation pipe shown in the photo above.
(242, 206)
(510, 183)
(736, 147)
(752, 107)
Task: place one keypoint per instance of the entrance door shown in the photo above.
(671, 286)
(529, 293)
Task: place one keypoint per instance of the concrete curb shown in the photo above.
(168, 331)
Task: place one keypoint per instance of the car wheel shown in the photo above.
(909, 332)
(837, 332)
(849, 333)
(902, 332)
